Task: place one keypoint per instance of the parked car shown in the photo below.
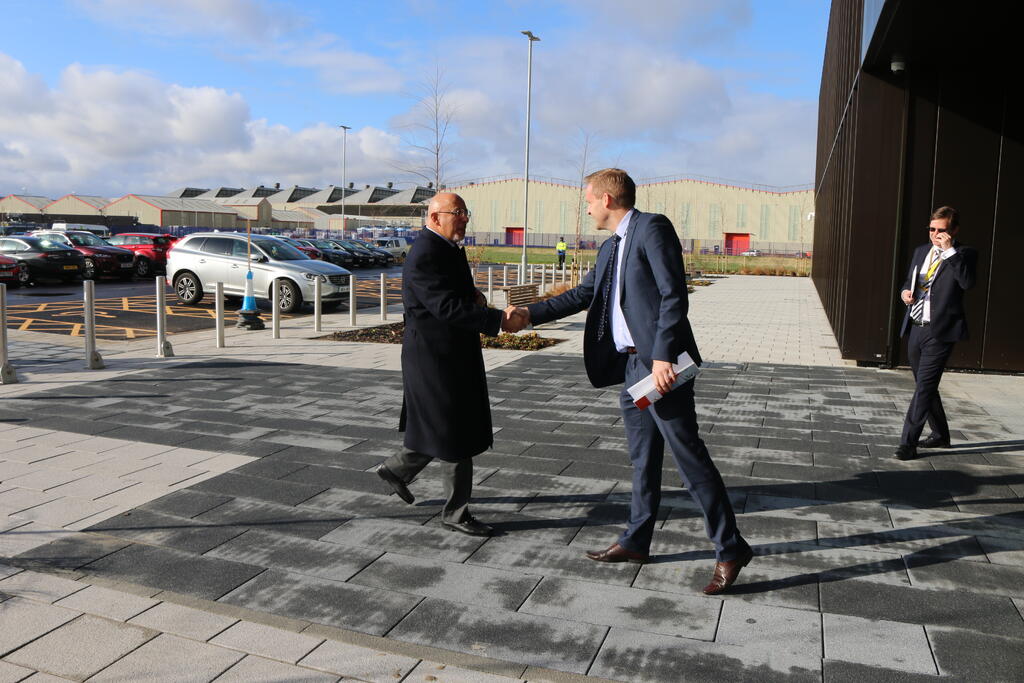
(396, 246)
(360, 257)
(352, 245)
(200, 260)
(10, 271)
(100, 258)
(332, 254)
(150, 250)
(41, 258)
(389, 258)
(311, 252)
(751, 252)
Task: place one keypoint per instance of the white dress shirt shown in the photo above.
(620, 331)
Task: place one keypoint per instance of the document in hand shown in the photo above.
(644, 393)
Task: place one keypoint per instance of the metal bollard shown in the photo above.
(163, 346)
(275, 311)
(383, 297)
(504, 276)
(317, 305)
(7, 373)
(93, 359)
(218, 308)
(543, 277)
(352, 300)
(472, 272)
(531, 269)
(490, 284)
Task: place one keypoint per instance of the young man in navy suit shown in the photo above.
(940, 272)
(636, 325)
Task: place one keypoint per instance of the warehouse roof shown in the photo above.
(414, 195)
(294, 216)
(187, 192)
(31, 200)
(220, 192)
(177, 204)
(370, 195)
(94, 202)
(331, 193)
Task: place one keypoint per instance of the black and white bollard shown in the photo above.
(93, 359)
(163, 346)
(7, 373)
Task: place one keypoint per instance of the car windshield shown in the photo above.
(278, 250)
(161, 241)
(353, 245)
(87, 239)
(50, 245)
(321, 244)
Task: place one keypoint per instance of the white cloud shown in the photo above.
(108, 132)
(237, 19)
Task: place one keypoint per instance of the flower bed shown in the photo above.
(392, 334)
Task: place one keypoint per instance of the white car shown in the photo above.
(751, 252)
(199, 261)
(396, 246)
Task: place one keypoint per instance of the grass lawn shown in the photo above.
(707, 263)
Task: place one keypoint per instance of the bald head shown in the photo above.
(441, 220)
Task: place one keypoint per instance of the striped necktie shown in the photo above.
(917, 310)
(609, 275)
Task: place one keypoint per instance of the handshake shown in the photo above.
(515, 319)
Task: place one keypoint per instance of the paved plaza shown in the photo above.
(216, 516)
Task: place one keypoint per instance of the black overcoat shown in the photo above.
(445, 413)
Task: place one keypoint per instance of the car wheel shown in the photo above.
(188, 288)
(290, 298)
(89, 269)
(143, 267)
(25, 277)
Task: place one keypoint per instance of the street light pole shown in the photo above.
(526, 172)
(344, 183)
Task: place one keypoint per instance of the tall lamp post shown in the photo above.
(526, 173)
(344, 183)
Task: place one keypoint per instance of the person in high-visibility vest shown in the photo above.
(560, 248)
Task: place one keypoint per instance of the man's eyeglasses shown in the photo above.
(461, 213)
(931, 229)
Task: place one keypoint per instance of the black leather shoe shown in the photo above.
(616, 553)
(934, 441)
(396, 484)
(470, 526)
(905, 452)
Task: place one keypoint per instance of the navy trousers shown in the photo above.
(672, 421)
(928, 358)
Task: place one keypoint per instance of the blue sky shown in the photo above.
(115, 96)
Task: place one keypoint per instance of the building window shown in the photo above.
(741, 215)
(766, 222)
(714, 220)
(494, 215)
(563, 209)
(684, 217)
(794, 223)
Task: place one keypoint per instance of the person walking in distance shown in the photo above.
(561, 248)
(940, 272)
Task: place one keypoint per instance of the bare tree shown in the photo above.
(586, 137)
(427, 132)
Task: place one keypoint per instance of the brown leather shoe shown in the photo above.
(616, 553)
(726, 573)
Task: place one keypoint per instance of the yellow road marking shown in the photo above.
(25, 325)
(76, 331)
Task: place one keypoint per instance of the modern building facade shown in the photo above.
(919, 107)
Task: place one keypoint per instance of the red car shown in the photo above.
(10, 271)
(311, 252)
(150, 250)
(100, 258)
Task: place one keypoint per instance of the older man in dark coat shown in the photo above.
(446, 413)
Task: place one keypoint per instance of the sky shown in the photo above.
(108, 97)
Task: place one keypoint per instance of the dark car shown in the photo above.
(388, 257)
(360, 258)
(150, 250)
(100, 258)
(10, 271)
(339, 257)
(42, 258)
(374, 259)
(311, 252)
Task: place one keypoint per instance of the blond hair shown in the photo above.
(616, 183)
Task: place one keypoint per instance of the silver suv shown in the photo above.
(200, 260)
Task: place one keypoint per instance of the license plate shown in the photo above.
(126, 265)
(70, 267)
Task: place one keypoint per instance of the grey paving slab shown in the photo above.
(887, 644)
(298, 555)
(254, 668)
(184, 621)
(835, 671)
(361, 663)
(770, 631)
(245, 513)
(40, 587)
(941, 573)
(553, 643)
(343, 503)
(333, 603)
(266, 641)
(104, 602)
(174, 570)
(22, 620)
(975, 656)
(25, 537)
(80, 648)
(10, 673)
(187, 503)
(66, 511)
(638, 656)
(467, 584)
(427, 672)
(169, 657)
(624, 607)
(433, 541)
(154, 528)
(551, 561)
(258, 488)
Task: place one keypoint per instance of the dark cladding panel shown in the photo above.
(1004, 331)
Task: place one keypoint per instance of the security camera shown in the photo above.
(898, 64)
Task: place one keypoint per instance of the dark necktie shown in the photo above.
(609, 277)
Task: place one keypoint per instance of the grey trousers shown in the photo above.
(457, 478)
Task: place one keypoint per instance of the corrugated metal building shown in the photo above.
(170, 211)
